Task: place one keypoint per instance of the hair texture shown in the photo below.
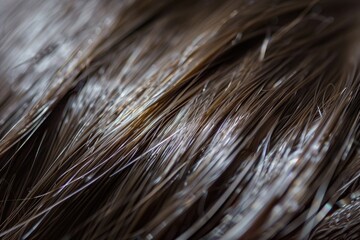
(206, 119)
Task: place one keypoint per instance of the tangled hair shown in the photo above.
(206, 119)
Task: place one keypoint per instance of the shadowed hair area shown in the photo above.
(179, 119)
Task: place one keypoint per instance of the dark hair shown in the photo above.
(144, 119)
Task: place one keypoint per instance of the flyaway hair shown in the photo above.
(179, 119)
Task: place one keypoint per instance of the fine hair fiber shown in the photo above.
(179, 119)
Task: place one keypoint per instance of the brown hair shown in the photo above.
(144, 119)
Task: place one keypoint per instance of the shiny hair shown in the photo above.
(208, 119)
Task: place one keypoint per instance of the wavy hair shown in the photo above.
(179, 119)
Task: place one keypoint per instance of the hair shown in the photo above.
(208, 119)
